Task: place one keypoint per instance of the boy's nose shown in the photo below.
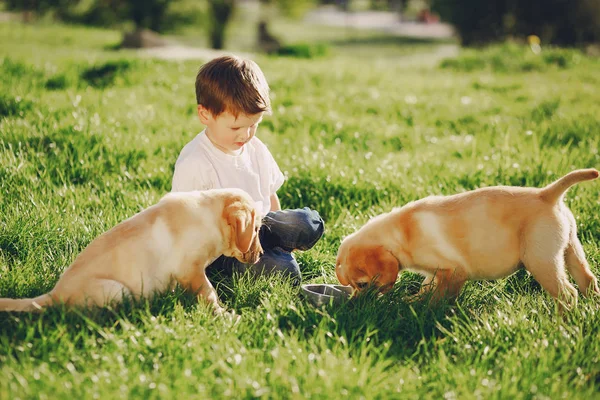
(246, 134)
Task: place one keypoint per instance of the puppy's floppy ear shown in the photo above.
(340, 274)
(240, 218)
(382, 264)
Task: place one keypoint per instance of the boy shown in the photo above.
(232, 96)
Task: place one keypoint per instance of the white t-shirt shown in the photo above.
(201, 166)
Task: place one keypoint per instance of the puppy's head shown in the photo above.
(361, 265)
(242, 225)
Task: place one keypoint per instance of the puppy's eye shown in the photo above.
(362, 285)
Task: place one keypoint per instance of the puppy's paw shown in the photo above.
(219, 311)
(228, 315)
(233, 317)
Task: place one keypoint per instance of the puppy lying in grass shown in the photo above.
(172, 241)
(486, 233)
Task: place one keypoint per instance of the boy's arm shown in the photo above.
(275, 204)
(276, 176)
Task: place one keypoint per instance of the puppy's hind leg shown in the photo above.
(97, 292)
(543, 256)
(579, 268)
(199, 284)
(551, 275)
(427, 287)
(26, 305)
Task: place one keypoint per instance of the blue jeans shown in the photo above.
(281, 233)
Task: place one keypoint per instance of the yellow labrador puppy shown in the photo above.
(171, 241)
(486, 233)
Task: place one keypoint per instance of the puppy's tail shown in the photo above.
(26, 305)
(554, 191)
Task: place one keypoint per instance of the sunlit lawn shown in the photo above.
(89, 136)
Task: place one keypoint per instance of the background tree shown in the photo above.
(38, 7)
(562, 22)
(147, 14)
(389, 5)
(147, 17)
(220, 12)
(267, 42)
(140, 16)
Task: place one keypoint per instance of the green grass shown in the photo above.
(89, 137)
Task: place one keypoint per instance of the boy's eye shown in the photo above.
(236, 128)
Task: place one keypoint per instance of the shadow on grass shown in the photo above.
(78, 324)
(67, 156)
(104, 75)
(407, 326)
(272, 310)
(14, 106)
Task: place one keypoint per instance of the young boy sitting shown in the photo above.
(232, 96)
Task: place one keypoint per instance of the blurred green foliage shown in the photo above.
(560, 22)
(291, 8)
(511, 57)
(304, 50)
(157, 15)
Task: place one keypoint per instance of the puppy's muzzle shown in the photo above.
(252, 257)
(375, 285)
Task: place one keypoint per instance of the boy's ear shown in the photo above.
(204, 114)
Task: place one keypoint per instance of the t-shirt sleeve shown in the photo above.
(192, 175)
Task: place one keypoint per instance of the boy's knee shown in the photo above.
(313, 227)
(291, 230)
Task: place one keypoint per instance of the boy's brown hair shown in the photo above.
(232, 84)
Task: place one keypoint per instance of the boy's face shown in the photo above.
(228, 133)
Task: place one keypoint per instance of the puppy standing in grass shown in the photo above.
(486, 233)
(172, 241)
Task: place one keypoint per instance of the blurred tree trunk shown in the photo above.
(266, 43)
(398, 6)
(147, 14)
(220, 11)
(288, 8)
(148, 17)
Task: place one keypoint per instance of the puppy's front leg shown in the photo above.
(424, 290)
(199, 284)
(427, 285)
(447, 283)
(205, 290)
(208, 293)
